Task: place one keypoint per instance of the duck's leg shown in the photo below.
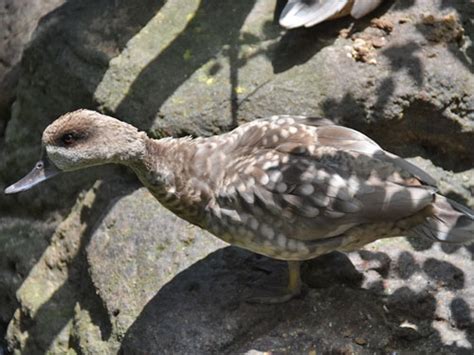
(281, 296)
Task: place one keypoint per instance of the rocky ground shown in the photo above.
(90, 263)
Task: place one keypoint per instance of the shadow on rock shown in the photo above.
(327, 270)
(420, 306)
(203, 308)
(444, 273)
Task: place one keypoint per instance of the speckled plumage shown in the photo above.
(288, 187)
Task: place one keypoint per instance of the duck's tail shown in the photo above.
(451, 222)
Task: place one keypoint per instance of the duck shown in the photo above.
(307, 13)
(287, 187)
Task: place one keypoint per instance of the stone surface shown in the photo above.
(387, 298)
(112, 271)
(22, 241)
(18, 20)
(151, 256)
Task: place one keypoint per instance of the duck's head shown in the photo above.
(81, 139)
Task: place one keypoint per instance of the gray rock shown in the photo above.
(122, 274)
(18, 19)
(22, 241)
(138, 249)
(381, 312)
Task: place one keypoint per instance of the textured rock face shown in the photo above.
(18, 19)
(101, 268)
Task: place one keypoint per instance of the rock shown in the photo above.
(214, 316)
(18, 19)
(151, 256)
(90, 309)
(22, 241)
(360, 341)
(113, 271)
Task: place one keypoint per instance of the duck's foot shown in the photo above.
(281, 296)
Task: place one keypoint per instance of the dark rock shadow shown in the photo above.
(403, 4)
(298, 46)
(378, 261)
(329, 269)
(444, 273)
(209, 299)
(203, 308)
(403, 57)
(407, 266)
(204, 297)
(461, 313)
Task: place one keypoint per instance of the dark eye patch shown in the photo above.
(70, 138)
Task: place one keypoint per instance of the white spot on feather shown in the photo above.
(248, 170)
(267, 231)
(281, 240)
(250, 182)
(302, 247)
(253, 223)
(264, 179)
(307, 189)
(281, 187)
(275, 176)
(292, 245)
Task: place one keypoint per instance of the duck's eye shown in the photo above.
(68, 138)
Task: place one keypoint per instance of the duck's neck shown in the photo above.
(166, 170)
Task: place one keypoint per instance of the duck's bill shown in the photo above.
(42, 171)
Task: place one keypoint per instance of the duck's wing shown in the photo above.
(308, 13)
(325, 179)
(345, 138)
